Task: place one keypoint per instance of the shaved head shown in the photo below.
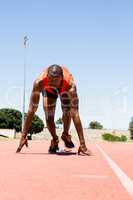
(55, 71)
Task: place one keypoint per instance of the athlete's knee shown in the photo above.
(74, 112)
(66, 112)
(49, 120)
(75, 102)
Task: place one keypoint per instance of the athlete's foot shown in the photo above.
(84, 151)
(53, 146)
(23, 142)
(67, 140)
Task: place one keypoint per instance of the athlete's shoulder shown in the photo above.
(65, 69)
(68, 77)
(43, 74)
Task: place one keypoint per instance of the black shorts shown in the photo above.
(54, 94)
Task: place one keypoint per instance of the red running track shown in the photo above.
(35, 174)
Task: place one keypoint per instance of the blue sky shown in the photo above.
(94, 39)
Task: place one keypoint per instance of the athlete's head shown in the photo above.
(55, 75)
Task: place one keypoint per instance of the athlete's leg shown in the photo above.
(77, 122)
(49, 105)
(66, 118)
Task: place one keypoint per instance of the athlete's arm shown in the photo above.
(76, 119)
(34, 101)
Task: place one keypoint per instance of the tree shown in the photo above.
(59, 122)
(131, 128)
(12, 119)
(3, 121)
(95, 125)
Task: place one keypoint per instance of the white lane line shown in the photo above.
(89, 176)
(124, 179)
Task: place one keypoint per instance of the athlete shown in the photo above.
(56, 81)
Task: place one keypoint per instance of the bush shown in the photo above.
(114, 138)
(95, 125)
(59, 122)
(131, 129)
(123, 138)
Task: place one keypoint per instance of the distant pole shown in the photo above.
(24, 79)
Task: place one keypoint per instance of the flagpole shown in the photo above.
(24, 80)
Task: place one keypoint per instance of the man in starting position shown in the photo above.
(56, 81)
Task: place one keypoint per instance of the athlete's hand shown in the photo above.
(23, 141)
(84, 151)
